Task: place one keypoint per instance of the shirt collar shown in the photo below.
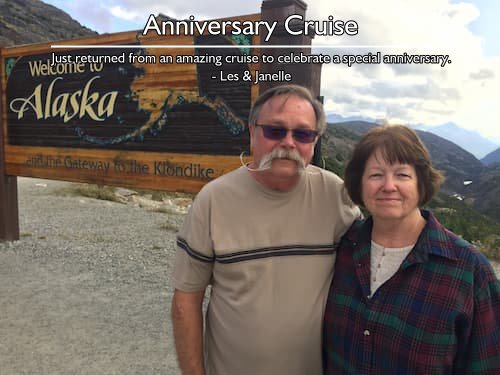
(432, 240)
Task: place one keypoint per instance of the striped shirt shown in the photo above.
(439, 314)
(268, 256)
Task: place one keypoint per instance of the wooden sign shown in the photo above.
(159, 118)
(141, 110)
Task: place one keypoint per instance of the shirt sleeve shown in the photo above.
(482, 355)
(194, 256)
(347, 211)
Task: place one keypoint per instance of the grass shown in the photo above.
(170, 226)
(102, 192)
(480, 230)
(108, 193)
(157, 195)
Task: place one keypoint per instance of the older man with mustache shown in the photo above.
(264, 238)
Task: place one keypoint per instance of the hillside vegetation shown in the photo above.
(469, 224)
(492, 157)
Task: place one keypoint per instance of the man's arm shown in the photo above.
(187, 319)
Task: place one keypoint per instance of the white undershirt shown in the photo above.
(384, 263)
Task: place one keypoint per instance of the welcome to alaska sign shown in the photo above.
(137, 116)
(143, 124)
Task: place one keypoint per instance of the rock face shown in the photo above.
(33, 21)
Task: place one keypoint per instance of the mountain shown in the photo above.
(492, 157)
(469, 140)
(335, 118)
(485, 194)
(457, 164)
(358, 127)
(33, 21)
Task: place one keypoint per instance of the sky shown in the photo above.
(465, 91)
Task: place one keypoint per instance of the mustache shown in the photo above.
(280, 153)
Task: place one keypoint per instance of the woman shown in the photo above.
(408, 296)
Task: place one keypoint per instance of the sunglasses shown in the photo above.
(277, 133)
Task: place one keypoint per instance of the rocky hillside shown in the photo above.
(33, 21)
(492, 157)
(469, 140)
(457, 164)
(485, 195)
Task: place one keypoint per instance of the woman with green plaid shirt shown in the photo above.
(408, 296)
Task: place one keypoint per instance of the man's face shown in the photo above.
(287, 111)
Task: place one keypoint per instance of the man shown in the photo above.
(264, 237)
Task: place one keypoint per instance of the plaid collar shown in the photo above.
(433, 240)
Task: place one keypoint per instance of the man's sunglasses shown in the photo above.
(277, 133)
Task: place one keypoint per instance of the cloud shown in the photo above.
(184, 9)
(429, 90)
(119, 12)
(482, 74)
(96, 17)
(412, 93)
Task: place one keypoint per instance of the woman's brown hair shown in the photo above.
(397, 144)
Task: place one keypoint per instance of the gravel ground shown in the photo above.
(87, 288)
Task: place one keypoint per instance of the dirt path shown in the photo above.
(86, 290)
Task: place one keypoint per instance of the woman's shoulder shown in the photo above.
(360, 228)
(468, 256)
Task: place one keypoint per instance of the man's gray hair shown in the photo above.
(289, 90)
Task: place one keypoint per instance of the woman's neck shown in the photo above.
(398, 233)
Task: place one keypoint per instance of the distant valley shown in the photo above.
(469, 140)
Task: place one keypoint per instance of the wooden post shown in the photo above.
(317, 158)
(9, 216)
(308, 75)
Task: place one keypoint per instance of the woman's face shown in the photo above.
(389, 191)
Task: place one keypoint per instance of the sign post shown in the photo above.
(307, 75)
(9, 218)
